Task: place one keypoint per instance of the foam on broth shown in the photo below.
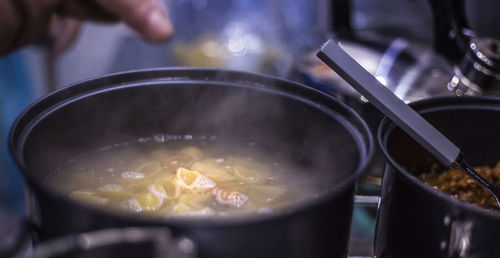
(184, 178)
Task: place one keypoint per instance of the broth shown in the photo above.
(183, 179)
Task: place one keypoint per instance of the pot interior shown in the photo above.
(472, 126)
(329, 142)
(471, 123)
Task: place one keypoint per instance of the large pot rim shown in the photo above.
(54, 98)
(386, 128)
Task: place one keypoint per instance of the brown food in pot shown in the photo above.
(461, 186)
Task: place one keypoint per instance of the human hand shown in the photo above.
(22, 21)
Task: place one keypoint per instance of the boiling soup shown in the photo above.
(171, 180)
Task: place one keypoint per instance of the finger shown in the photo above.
(10, 25)
(147, 17)
(85, 10)
(63, 32)
(34, 16)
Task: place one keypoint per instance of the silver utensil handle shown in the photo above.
(385, 100)
(164, 243)
(367, 200)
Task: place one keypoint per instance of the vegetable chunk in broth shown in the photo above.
(165, 180)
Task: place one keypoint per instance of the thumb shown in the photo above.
(147, 17)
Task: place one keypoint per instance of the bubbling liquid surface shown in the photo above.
(179, 179)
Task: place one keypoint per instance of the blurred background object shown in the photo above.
(417, 48)
(258, 36)
(20, 84)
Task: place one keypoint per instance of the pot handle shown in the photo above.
(164, 244)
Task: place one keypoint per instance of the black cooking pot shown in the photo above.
(416, 220)
(283, 118)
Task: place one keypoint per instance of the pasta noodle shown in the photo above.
(184, 181)
(193, 180)
(149, 168)
(213, 170)
(247, 174)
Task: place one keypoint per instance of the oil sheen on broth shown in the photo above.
(175, 179)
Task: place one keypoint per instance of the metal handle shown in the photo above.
(163, 243)
(367, 200)
(388, 103)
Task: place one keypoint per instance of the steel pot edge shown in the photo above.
(39, 107)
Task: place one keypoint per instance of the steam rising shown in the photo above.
(245, 115)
